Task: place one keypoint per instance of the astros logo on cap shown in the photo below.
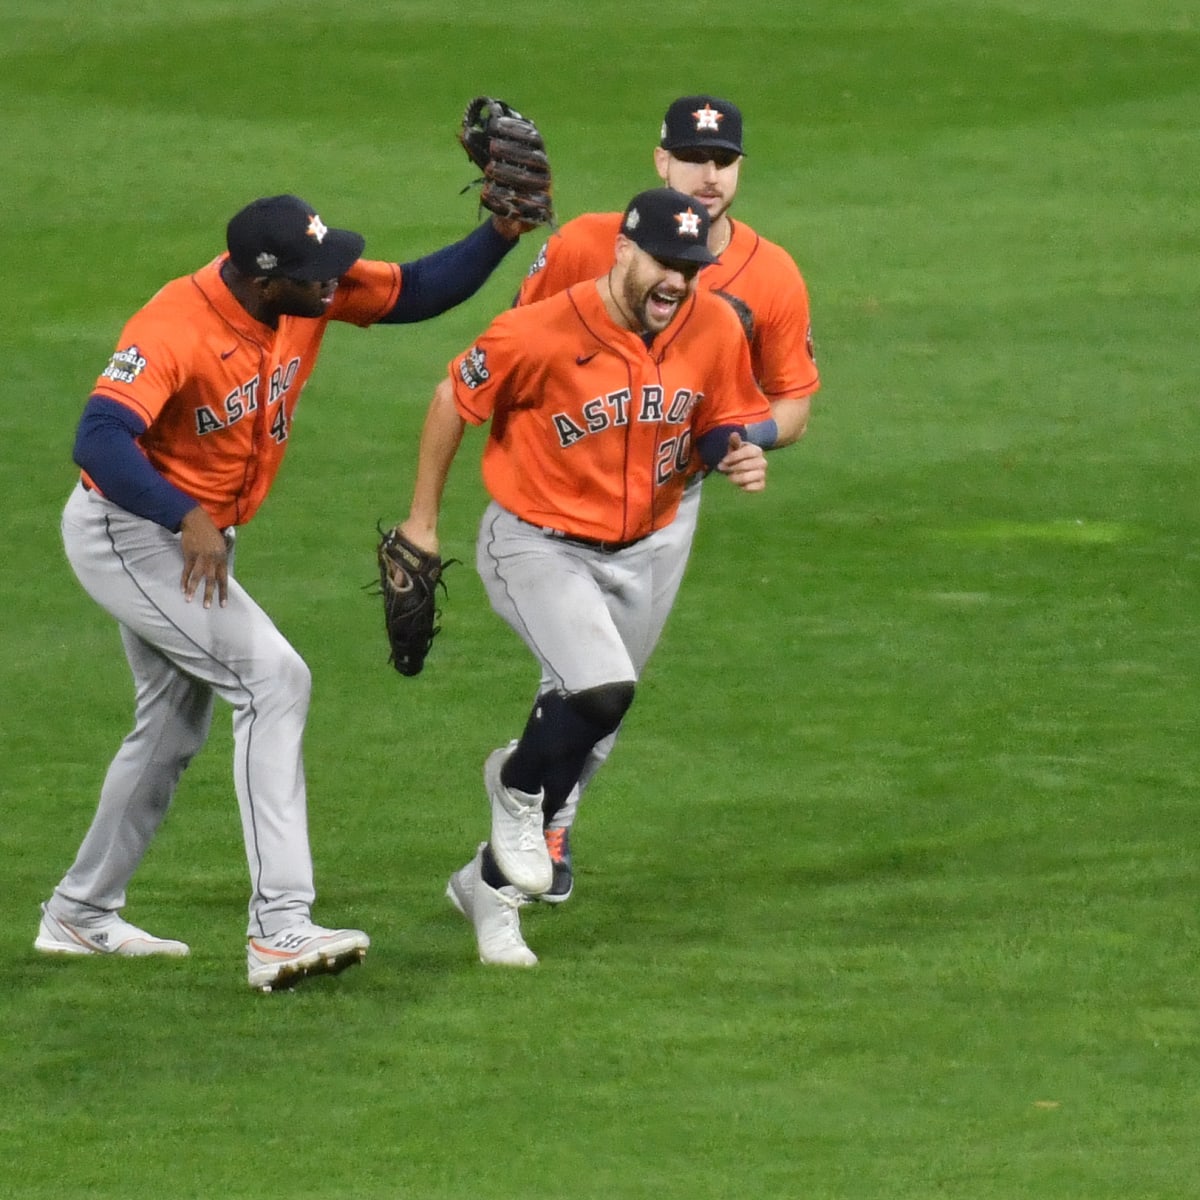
(689, 223)
(316, 228)
(708, 118)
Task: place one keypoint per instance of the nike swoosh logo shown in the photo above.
(583, 359)
(227, 353)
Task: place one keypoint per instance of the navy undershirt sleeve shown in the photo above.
(714, 444)
(448, 276)
(105, 449)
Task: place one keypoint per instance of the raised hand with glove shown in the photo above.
(508, 148)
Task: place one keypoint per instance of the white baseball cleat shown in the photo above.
(493, 913)
(110, 935)
(517, 842)
(301, 951)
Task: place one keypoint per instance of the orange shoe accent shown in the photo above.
(556, 844)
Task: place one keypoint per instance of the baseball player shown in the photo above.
(699, 153)
(597, 399)
(179, 444)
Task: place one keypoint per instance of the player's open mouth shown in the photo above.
(662, 305)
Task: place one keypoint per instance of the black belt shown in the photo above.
(588, 543)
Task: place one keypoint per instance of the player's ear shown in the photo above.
(662, 162)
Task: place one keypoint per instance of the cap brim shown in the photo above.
(688, 254)
(705, 144)
(340, 249)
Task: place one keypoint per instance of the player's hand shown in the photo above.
(509, 228)
(745, 464)
(205, 558)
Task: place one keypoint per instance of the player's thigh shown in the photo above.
(554, 601)
(167, 697)
(672, 548)
(132, 568)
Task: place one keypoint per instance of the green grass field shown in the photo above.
(890, 890)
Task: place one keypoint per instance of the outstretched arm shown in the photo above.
(440, 438)
(439, 281)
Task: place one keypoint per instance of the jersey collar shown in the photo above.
(208, 280)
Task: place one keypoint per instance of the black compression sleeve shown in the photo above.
(105, 449)
(447, 277)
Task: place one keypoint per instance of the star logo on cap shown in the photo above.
(689, 223)
(316, 228)
(708, 118)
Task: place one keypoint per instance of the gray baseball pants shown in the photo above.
(181, 656)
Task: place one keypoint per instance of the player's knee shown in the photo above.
(299, 679)
(603, 707)
(289, 678)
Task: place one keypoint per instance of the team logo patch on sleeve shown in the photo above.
(124, 366)
(539, 263)
(473, 368)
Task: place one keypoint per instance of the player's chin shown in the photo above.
(313, 308)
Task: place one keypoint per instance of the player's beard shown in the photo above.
(639, 292)
(724, 202)
(308, 299)
(715, 214)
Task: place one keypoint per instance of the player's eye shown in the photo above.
(719, 157)
(689, 270)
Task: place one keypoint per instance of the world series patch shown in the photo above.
(539, 262)
(124, 366)
(473, 368)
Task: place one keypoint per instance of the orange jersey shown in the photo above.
(756, 271)
(591, 432)
(218, 389)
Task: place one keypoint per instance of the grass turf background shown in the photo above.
(890, 889)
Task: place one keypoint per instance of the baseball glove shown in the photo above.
(408, 580)
(510, 152)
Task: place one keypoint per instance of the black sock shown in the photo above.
(489, 870)
(552, 750)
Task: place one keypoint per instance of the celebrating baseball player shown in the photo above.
(597, 400)
(179, 444)
(700, 153)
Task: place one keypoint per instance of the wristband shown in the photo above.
(763, 433)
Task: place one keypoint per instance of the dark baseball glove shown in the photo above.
(408, 580)
(510, 152)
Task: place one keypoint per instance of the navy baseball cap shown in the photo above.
(282, 236)
(702, 123)
(668, 225)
